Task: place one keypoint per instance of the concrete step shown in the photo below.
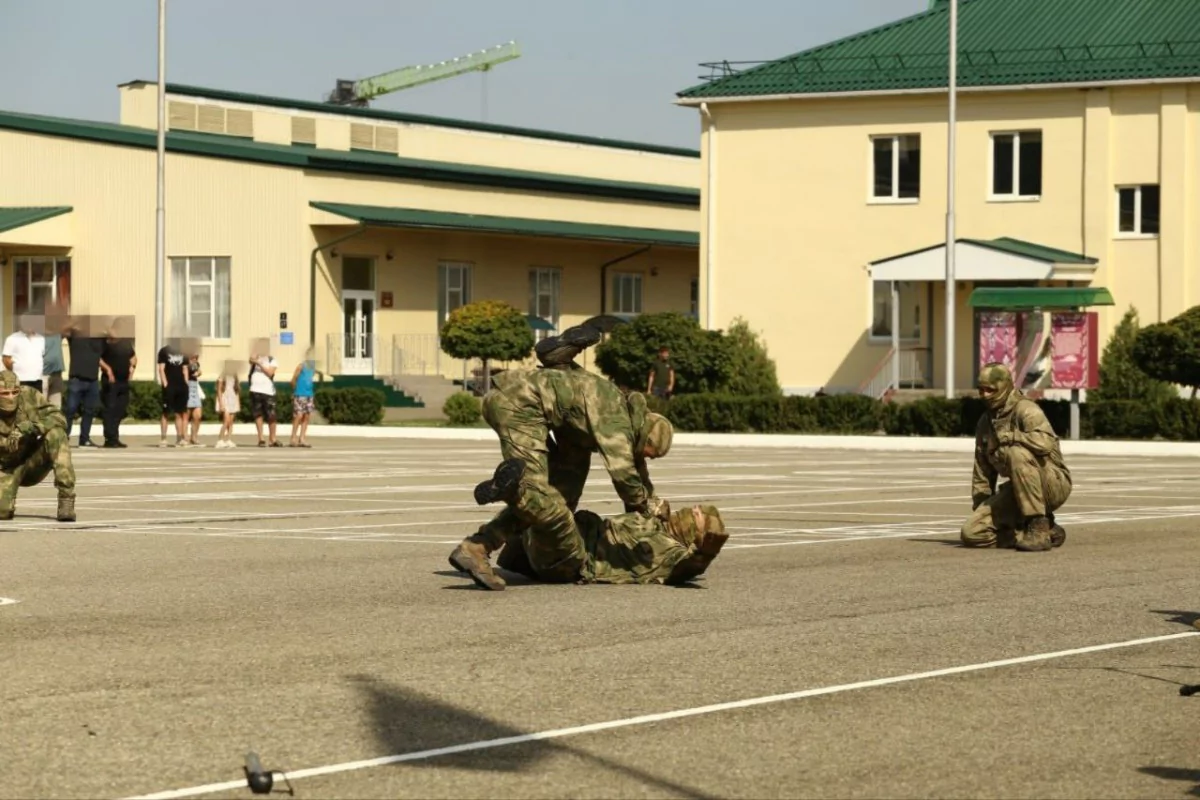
(431, 390)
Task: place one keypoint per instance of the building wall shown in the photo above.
(795, 226)
(437, 143)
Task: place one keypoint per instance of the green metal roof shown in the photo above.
(537, 323)
(1001, 43)
(381, 164)
(1045, 297)
(1006, 244)
(417, 119)
(382, 216)
(16, 217)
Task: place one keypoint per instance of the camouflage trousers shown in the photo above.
(541, 514)
(1033, 490)
(52, 455)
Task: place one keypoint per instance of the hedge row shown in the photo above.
(346, 406)
(1175, 419)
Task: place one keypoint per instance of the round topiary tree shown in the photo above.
(701, 358)
(490, 330)
(1170, 351)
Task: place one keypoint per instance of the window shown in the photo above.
(1137, 210)
(627, 293)
(544, 287)
(39, 281)
(910, 310)
(1017, 165)
(896, 167)
(454, 288)
(200, 296)
(695, 298)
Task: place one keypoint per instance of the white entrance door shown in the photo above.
(358, 329)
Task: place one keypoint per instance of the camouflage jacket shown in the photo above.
(589, 412)
(1021, 423)
(32, 407)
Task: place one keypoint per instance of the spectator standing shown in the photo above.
(302, 399)
(173, 380)
(229, 403)
(661, 380)
(118, 360)
(25, 353)
(195, 401)
(83, 382)
(53, 365)
(262, 389)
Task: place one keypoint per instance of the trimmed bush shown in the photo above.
(701, 358)
(340, 406)
(463, 409)
(354, 405)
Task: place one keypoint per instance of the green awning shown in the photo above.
(1044, 297)
(537, 323)
(384, 217)
(18, 217)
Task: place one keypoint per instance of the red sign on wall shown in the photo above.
(998, 338)
(1076, 351)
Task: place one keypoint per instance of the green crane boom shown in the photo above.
(359, 93)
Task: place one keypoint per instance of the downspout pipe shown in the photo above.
(604, 274)
(709, 229)
(312, 282)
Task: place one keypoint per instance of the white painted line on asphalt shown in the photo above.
(646, 719)
(8, 601)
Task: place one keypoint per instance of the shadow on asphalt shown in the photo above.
(1176, 774)
(1187, 618)
(950, 542)
(405, 721)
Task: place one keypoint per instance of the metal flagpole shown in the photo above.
(951, 288)
(161, 232)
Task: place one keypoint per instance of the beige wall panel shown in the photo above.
(272, 128)
(139, 106)
(1136, 137)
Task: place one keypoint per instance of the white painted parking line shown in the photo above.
(8, 601)
(647, 719)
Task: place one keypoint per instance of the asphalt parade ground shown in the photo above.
(298, 603)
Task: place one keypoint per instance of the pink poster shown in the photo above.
(998, 338)
(1076, 360)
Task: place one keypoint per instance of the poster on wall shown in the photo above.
(1076, 357)
(998, 338)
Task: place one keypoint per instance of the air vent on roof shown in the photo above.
(362, 137)
(387, 139)
(212, 119)
(182, 116)
(304, 130)
(239, 122)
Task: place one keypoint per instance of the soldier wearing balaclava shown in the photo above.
(1014, 440)
(33, 443)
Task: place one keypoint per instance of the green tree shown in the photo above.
(701, 358)
(753, 372)
(489, 330)
(1170, 351)
(1120, 376)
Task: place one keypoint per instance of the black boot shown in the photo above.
(503, 484)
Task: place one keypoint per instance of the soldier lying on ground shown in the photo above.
(33, 442)
(1014, 440)
(586, 413)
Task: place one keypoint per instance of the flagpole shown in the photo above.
(951, 287)
(161, 228)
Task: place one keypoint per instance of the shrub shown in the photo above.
(463, 409)
(1170, 351)
(353, 405)
(1120, 376)
(752, 372)
(701, 358)
(487, 329)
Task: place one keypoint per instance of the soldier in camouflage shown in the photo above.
(586, 413)
(33, 442)
(1014, 440)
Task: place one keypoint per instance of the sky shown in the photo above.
(606, 68)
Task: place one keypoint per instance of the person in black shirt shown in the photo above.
(172, 377)
(118, 360)
(84, 336)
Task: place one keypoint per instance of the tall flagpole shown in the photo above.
(161, 232)
(951, 288)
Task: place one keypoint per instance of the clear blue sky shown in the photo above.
(600, 67)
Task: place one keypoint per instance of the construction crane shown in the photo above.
(360, 93)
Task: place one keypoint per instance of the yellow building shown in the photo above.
(825, 181)
(353, 229)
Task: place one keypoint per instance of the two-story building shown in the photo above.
(353, 230)
(825, 180)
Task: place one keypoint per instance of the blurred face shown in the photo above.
(8, 399)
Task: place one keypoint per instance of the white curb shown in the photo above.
(902, 444)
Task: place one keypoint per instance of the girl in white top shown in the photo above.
(228, 403)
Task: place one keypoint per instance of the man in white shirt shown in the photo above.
(262, 388)
(25, 353)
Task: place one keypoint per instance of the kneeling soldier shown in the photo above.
(33, 442)
(1014, 440)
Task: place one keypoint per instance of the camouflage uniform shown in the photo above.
(586, 414)
(1014, 440)
(33, 442)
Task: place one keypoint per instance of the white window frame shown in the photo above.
(639, 283)
(465, 270)
(26, 262)
(1137, 211)
(1015, 196)
(216, 264)
(872, 337)
(553, 277)
(894, 198)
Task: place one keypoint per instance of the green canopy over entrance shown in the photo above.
(1044, 297)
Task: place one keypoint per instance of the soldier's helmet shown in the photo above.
(657, 435)
(10, 391)
(690, 525)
